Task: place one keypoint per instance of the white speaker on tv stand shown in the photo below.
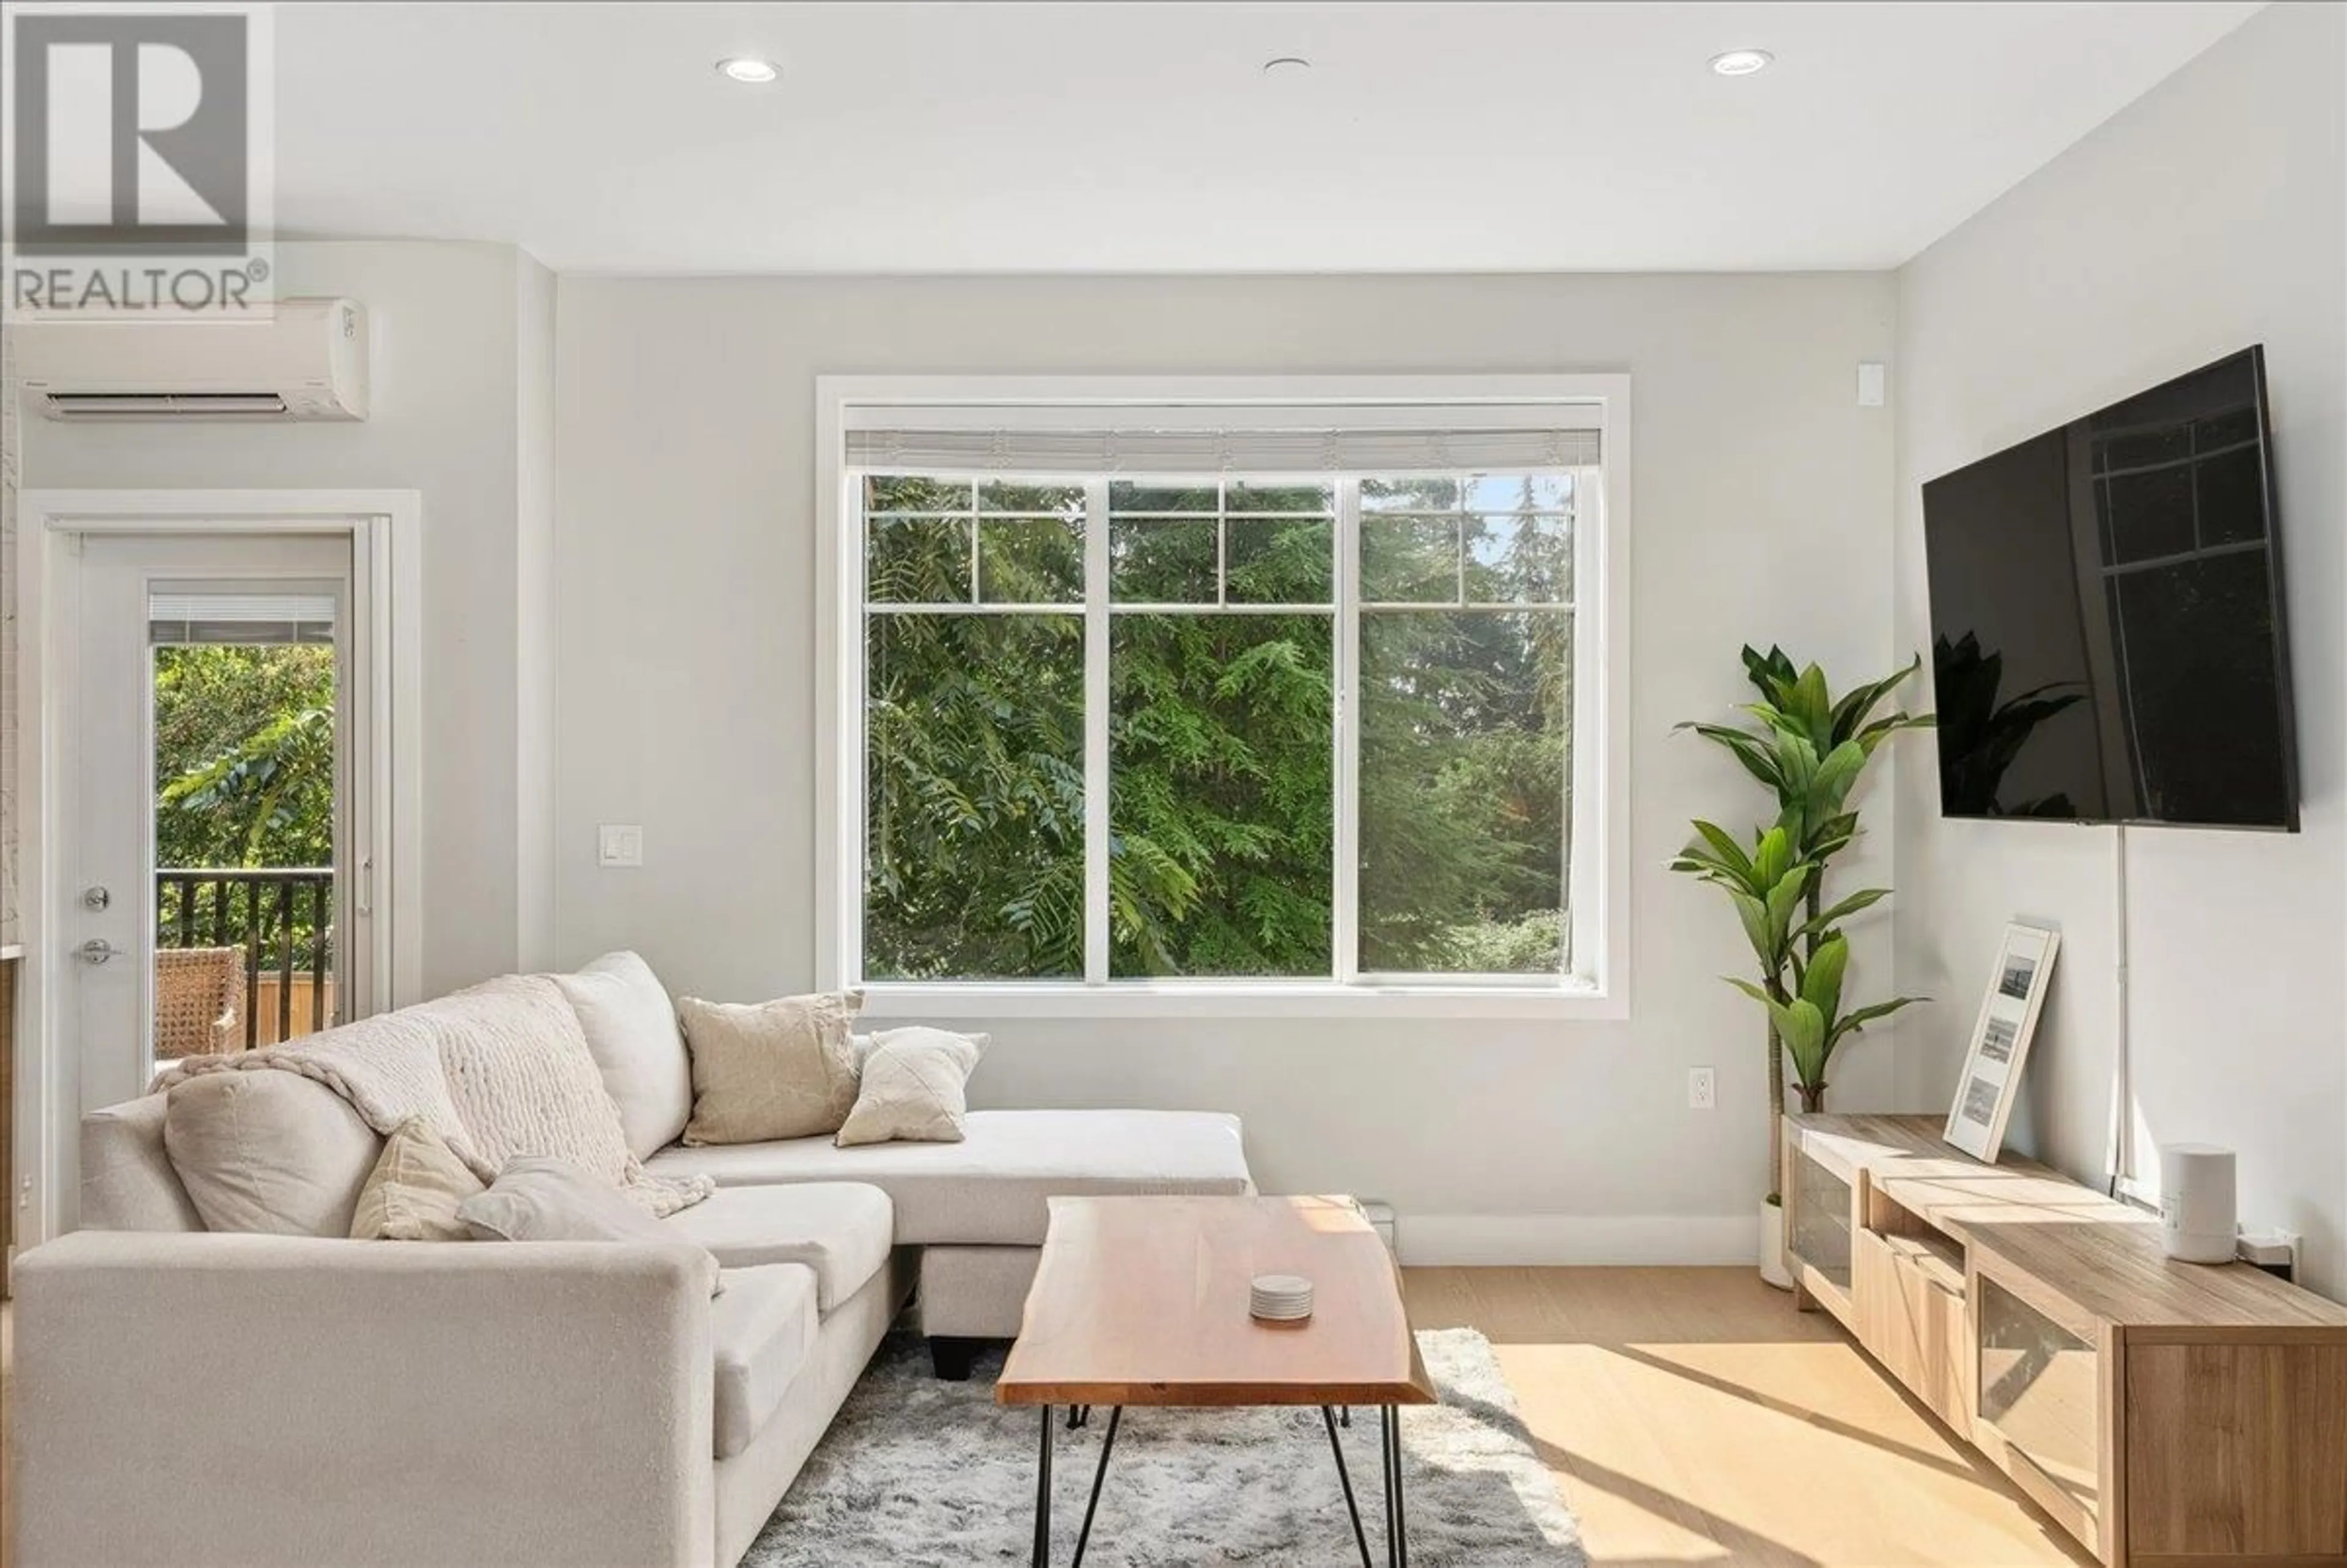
(2197, 1217)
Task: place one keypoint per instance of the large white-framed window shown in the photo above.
(1236, 697)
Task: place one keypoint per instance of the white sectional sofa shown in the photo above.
(185, 1396)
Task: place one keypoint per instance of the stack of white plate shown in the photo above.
(1281, 1298)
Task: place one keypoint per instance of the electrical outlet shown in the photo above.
(1703, 1089)
(2275, 1251)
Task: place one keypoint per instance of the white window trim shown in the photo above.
(1601, 892)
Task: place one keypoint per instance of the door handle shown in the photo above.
(96, 950)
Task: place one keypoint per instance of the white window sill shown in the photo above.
(1238, 1000)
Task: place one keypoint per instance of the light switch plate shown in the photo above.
(1872, 384)
(618, 843)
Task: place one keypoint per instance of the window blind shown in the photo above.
(249, 618)
(1464, 448)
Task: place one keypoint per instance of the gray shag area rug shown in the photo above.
(919, 1473)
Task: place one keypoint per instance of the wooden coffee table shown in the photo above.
(1144, 1301)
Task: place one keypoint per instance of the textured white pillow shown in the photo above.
(268, 1150)
(538, 1197)
(915, 1088)
(632, 1030)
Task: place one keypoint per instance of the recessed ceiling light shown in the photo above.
(1286, 65)
(747, 68)
(1741, 62)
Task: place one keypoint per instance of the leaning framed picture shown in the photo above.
(2000, 1045)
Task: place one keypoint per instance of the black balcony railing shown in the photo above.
(282, 920)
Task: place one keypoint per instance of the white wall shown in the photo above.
(11, 455)
(2210, 214)
(686, 561)
(448, 421)
(534, 616)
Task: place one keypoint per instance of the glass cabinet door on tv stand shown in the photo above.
(1819, 1214)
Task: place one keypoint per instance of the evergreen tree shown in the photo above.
(1222, 816)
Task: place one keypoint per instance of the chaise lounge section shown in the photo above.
(190, 1397)
(977, 1209)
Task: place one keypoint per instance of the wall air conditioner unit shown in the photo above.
(307, 361)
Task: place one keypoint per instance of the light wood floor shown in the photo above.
(1692, 1416)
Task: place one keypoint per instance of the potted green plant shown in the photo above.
(1810, 749)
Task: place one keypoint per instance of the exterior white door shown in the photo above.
(173, 846)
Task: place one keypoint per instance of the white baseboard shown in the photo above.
(1501, 1241)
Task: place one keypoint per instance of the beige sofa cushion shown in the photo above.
(126, 1179)
(914, 1088)
(993, 1187)
(842, 1230)
(539, 1197)
(760, 1332)
(268, 1152)
(632, 1030)
(413, 1193)
(761, 1070)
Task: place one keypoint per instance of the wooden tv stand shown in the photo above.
(2168, 1415)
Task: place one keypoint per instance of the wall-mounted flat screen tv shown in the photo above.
(2106, 616)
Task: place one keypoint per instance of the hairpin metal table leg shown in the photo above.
(1397, 1522)
(1345, 1478)
(1042, 1556)
(1100, 1473)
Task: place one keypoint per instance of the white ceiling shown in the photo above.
(1145, 137)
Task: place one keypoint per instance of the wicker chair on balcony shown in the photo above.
(198, 1002)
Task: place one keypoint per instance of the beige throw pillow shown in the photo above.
(265, 1149)
(415, 1189)
(538, 1197)
(783, 1069)
(915, 1090)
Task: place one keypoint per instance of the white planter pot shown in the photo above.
(1774, 1269)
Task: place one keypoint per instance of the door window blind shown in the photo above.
(245, 618)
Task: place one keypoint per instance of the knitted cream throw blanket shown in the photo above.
(497, 1070)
